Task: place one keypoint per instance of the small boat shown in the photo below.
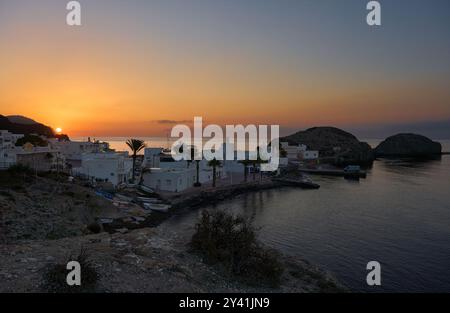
(148, 200)
(104, 194)
(354, 172)
(123, 198)
(146, 189)
(157, 207)
(139, 219)
(105, 220)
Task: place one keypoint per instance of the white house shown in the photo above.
(292, 152)
(206, 171)
(309, 155)
(38, 158)
(166, 161)
(152, 157)
(74, 150)
(300, 152)
(8, 140)
(172, 180)
(283, 162)
(108, 167)
(7, 147)
(176, 176)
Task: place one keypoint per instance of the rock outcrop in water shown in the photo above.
(341, 146)
(408, 145)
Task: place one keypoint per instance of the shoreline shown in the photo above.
(197, 200)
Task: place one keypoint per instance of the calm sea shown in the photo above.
(119, 143)
(398, 216)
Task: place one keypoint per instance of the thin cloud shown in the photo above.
(173, 121)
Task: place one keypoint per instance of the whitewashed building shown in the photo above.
(292, 152)
(8, 139)
(7, 146)
(152, 157)
(39, 158)
(171, 180)
(176, 176)
(309, 155)
(107, 167)
(299, 152)
(74, 150)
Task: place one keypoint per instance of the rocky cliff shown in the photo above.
(341, 146)
(408, 145)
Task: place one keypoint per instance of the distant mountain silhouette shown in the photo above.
(25, 127)
(20, 119)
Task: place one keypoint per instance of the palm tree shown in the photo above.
(256, 162)
(259, 161)
(135, 146)
(246, 163)
(214, 164)
(197, 166)
(283, 153)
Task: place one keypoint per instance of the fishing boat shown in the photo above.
(149, 200)
(146, 189)
(157, 207)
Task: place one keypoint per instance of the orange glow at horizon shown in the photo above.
(109, 82)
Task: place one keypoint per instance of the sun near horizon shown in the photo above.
(135, 70)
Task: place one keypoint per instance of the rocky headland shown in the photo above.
(339, 146)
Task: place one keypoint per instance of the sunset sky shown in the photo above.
(134, 67)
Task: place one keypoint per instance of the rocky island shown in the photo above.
(408, 145)
(339, 146)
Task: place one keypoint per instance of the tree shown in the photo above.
(214, 164)
(36, 141)
(258, 162)
(283, 153)
(246, 164)
(135, 146)
(197, 166)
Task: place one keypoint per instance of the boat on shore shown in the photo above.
(148, 200)
(159, 207)
(146, 189)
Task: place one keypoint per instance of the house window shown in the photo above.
(168, 182)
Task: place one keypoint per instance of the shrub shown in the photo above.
(55, 275)
(15, 177)
(229, 240)
(20, 169)
(33, 139)
(94, 228)
(8, 195)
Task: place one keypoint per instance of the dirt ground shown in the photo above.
(144, 260)
(43, 222)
